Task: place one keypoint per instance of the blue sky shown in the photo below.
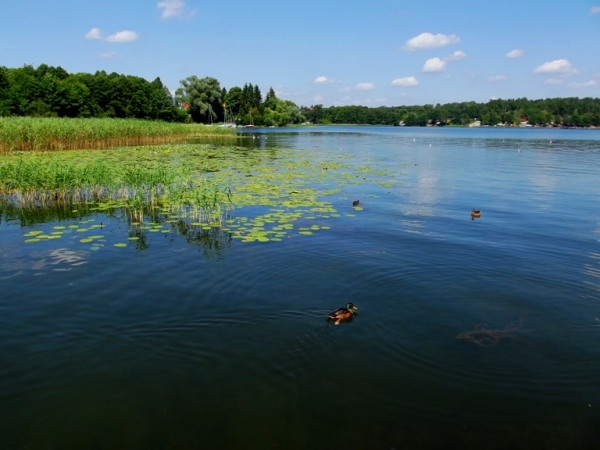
(385, 52)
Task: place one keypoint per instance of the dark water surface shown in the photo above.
(223, 344)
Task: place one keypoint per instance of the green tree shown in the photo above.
(203, 97)
(270, 100)
(257, 97)
(234, 100)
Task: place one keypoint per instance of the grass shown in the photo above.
(193, 188)
(138, 179)
(49, 134)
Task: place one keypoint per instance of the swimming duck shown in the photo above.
(342, 313)
(475, 213)
(356, 203)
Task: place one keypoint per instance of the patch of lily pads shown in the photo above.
(197, 190)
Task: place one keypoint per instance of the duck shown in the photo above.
(475, 213)
(356, 203)
(342, 313)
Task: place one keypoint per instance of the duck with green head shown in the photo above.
(342, 313)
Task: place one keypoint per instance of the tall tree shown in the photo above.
(203, 97)
(234, 100)
(256, 97)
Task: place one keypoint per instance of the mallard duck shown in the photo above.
(342, 313)
(475, 213)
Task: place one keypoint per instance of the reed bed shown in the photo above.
(34, 180)
(50, 134)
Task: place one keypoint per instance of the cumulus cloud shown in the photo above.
(456, 56)
(595, 10)
(123, 36)
(364, 86)
(428, 40)
(119, 36)
(434, 65)
(554, 81)
(560, 66)
(405, 81)
(94, 33)
(590, 83)
(497, 78)
(324, 80)
(173, 8)
(516, 53)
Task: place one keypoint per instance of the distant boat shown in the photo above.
(249, 126)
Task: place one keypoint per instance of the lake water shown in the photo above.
(478, 333)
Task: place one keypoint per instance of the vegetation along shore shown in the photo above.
(47, 133)
(36, 99)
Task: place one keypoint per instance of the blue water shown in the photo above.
(224, 344)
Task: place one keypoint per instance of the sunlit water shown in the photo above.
(224, 344)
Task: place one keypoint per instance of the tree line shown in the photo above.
(48, 91)
(570, 112)
(207, 102)
(52, 91)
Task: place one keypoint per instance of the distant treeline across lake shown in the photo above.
(52, 92)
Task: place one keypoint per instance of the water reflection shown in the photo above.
(232, 348)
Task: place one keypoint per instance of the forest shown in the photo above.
(48, 91)
(566, 112)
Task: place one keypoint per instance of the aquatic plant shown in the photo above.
(47, 133)
(191, 188)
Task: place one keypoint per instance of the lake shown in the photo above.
(472, 332)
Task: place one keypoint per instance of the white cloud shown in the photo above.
(94, 33)
(108, 55)
(434, 65)
(561, 66)
(119, 36)
(318, 98)
(496, 78)
(554, 81)
(428, 40)
(325, 80)
(585, 84)
(405, 81)
(321, 80)
(123, 36)
(456, 56)
(595, 10)
(516, 53)
(171, 8)
(364, 86)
